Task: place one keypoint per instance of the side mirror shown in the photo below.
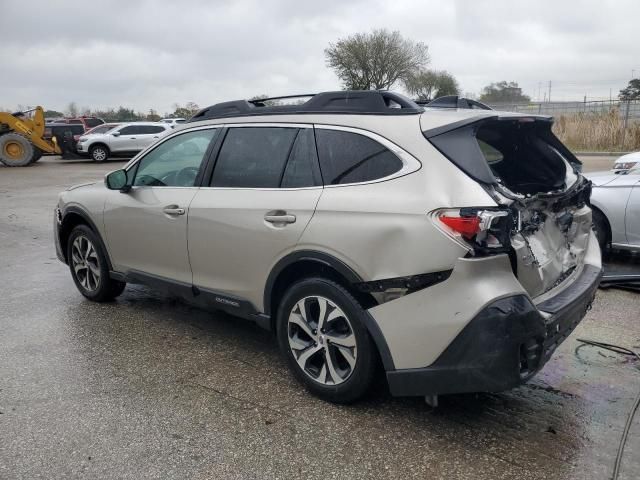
(117, 180)
(116, 134)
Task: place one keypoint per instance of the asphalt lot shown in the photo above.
(147, 387)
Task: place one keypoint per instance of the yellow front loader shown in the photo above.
(21, 138)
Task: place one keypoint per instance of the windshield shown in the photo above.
(101, 129)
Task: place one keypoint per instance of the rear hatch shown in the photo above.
(543, 219)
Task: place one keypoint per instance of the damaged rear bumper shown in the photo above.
(504, 345)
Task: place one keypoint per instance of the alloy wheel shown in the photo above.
(322, 340)
(84, 259)
(99, 154)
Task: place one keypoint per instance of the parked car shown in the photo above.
(66, 135)
(125, 140)
(361, 229)
(173, 121)
(616, 208)
(87, 122)
(626, 162)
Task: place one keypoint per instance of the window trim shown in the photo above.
(135, 161)
(410, 164)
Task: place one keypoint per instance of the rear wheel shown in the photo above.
(601, 229)
(321, 332)
(15, 150)
(89, 267)
(99, 153)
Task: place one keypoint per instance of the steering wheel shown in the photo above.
(186, 177)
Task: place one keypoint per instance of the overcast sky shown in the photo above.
(153, 54)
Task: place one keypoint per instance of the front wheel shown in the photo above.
(89, 268)
(99, 153)
(321, 332)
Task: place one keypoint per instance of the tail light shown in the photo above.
(483, 230)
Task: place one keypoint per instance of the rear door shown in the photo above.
(263, 192)
(147, 226)
(149, 135)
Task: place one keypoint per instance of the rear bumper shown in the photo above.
(504, 345)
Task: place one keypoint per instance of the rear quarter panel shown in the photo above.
(382, 230)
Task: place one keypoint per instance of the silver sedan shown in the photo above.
(616, 208)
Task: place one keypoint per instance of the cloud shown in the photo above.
(147, 54)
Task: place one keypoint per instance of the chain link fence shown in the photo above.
(626, 109)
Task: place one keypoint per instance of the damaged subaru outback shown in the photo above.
(450, 246)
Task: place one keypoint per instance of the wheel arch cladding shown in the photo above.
(307, 264)
(74, 216)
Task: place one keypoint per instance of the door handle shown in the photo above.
(132, 138)
(279, 216)
(173, 210)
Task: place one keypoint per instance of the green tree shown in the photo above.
(52, 114)
(631, 91)
(188, 111)
(153, 116)
(503, 92)
(376, 60)
(426, 85)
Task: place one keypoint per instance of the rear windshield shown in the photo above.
(522, 153)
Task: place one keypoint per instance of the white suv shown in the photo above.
(126, 139)
(452, 246)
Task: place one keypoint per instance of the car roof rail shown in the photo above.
(363, 102)
(454, 101)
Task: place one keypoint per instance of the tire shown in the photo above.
(89, 267)
(15, 150)
(601, 229)
(37, 155)
(99, 153)
(338, 362)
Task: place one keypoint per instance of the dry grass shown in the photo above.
(598, 132)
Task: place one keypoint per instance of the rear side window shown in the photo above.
(302, 167)
(347, 157)
(253, 157)
(131, 130)
(153, 129)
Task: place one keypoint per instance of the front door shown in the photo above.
(632, 215)
(125, 139)
(146, 228)
(263, 193)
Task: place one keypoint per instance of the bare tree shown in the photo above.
(426, 85)
(72, 109)
(375, 60)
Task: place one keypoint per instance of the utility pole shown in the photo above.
(549, 96)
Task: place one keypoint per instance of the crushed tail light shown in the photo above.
(468, 227)
(483, 230)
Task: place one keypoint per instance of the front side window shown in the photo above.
(253, 157)
(347, 157)
(176, 162)
(131, 130)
